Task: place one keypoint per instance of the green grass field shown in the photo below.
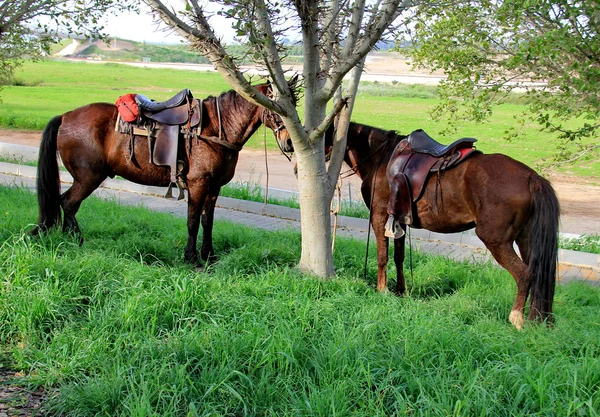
(46, 89)
(121, 327)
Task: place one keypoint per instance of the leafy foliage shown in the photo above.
(29, 28)
(548, 48)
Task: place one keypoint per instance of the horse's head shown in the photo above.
(273, 121)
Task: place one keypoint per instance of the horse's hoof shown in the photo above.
(516, 318)
(209, 259)
(384, 291)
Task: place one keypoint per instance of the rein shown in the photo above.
(353, 169)
(266, 166)
(268, 115)
(233, 146)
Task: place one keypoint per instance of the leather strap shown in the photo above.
(233, 146)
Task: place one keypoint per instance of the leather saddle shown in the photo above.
(409, 168)
(421, 142)
(166, 124)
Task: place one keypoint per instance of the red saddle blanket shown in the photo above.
(127, 107)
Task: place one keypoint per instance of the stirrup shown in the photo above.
(393, 228)
(169, 193)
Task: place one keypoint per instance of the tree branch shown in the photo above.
(318, 131)
(379, 22)
(206, 41)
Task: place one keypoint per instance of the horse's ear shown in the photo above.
(293, 81)
(294, 87)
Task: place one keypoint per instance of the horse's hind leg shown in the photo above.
(506, 256)
(71, 201)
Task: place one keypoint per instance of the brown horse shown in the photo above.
(92, 150)
(503, 199)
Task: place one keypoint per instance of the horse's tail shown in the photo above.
(543, 248)
(48, 179)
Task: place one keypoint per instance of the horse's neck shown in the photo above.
(239, 118)
(364, 150)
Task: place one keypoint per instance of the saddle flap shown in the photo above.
(166, 145)
(174, 116)
(417, 170)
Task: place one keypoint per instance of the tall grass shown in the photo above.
(584, 243)
(250, 191)
(121, 327)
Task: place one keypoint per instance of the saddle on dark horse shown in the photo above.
(409, 168)
(166, 124)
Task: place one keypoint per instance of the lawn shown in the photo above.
(121, 327)
(48, 88)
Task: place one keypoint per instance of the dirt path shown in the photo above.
(580, 201)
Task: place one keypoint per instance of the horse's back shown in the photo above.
(91, 115)
(483, 188)
(499, 175)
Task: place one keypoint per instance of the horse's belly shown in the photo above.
(443, 216)
(136, 167)
(146, 175)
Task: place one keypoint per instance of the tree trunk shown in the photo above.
(315, 200)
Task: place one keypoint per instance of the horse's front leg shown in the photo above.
(197, 191)
(207, 252)
(378, 219)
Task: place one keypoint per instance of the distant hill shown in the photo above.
(125, 50)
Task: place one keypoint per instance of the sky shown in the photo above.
(144, 27)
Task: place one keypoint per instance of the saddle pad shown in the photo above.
(419, 169)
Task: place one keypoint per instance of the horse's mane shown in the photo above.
(373, 135)
(228, 98)
(231, 98)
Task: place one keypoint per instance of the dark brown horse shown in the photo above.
(92, 150)
(503, 199)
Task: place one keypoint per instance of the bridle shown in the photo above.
(275, 120)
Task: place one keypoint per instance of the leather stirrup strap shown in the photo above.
(149, 128)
